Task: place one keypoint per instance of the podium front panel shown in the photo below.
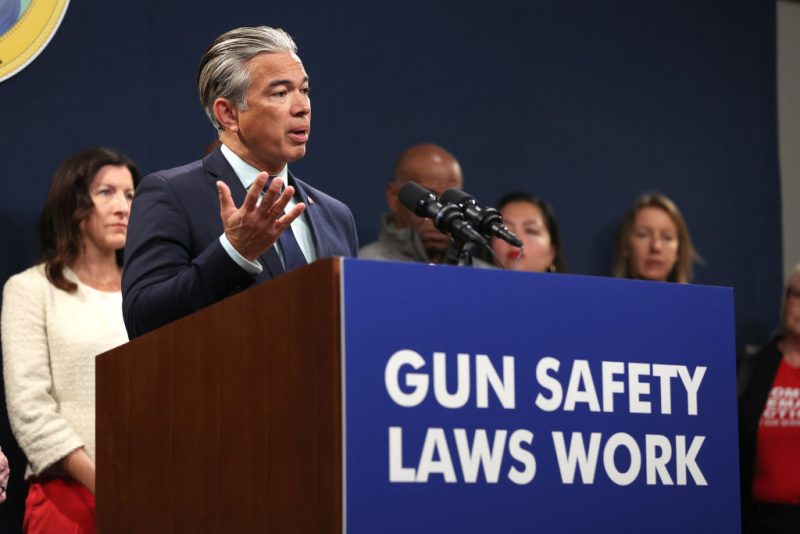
(495, 401)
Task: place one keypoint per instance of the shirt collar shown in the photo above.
(246, 172)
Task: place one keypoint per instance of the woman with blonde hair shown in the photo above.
(57, 316)
(654, 242)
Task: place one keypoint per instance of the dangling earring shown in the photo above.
(551, 268)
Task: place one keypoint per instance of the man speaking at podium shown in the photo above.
(238, 217)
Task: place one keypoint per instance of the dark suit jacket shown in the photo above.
(174, 262)
(760, 371)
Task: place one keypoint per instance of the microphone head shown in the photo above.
(448, 218)
(416, 198)
(456, 196)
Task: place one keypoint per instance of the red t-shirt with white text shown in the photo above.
(777, 475)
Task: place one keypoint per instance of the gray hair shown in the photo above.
(222, 72)
(781, 330)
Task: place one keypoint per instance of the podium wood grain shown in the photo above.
(228, 420)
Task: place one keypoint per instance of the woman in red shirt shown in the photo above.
(769, 427)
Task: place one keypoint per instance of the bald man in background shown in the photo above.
(403, 235)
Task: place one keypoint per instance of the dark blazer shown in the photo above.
(174, 262)
(759, 371)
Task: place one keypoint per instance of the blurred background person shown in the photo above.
(5, 472)
(57, 316)
(212, 146)
(534, 223)
(654, 242)
(769, 426)
(404, 236)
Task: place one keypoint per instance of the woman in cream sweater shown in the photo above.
(57, 316)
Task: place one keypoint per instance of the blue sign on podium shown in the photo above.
(495, 401)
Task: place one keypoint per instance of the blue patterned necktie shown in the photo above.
(293, 257)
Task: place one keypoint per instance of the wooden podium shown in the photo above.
(229, 420)
(364, 396)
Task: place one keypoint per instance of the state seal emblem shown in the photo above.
(26, 27)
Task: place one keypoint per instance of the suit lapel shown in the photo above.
(311, 212)
(218, 168)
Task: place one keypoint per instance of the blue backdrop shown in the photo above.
(586, 104)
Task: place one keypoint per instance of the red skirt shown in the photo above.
(59, 505)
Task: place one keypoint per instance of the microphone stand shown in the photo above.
(463, 254)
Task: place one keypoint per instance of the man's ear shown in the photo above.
(227, 114)
(391, 197)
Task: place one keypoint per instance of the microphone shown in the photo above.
(487, 220)
(448, 219)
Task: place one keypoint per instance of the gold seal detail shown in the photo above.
(26, 27)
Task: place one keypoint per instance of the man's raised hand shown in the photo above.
(254, 227)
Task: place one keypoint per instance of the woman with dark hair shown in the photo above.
(57, 316)
(654, 242)
(769, 426)
(533, 222)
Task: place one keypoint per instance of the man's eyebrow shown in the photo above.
(275, 83)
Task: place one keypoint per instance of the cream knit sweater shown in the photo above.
(50, 340)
